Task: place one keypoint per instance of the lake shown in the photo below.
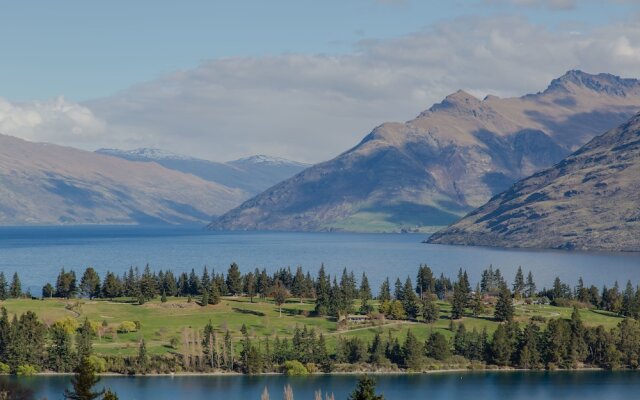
(38, 253)
(579, 385)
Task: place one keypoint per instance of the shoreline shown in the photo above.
(320, 374)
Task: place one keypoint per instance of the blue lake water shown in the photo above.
(38, 253)
(584, 385)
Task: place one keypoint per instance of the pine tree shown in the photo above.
(365, 390)
(234, 280)
(84, 346)
(477, 305)
(413, 352)
(250, 285)
(430, 310)
(425, 283)
(518, 284)
(530, 286)
(61, 357)
(385, 291)
(4, 292)
(205, 298)
(143, 357)
(504, 306)
(410, 301)
(109, 395)
(438, 346)
(398, 293)
(459, 301)
(376, 351)
(83, 382)
(111, 287)
(214, 293)
(15, 290)
(365, 295)
(163, 298)
(90, 283)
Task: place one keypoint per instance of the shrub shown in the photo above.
(4, 368)
(295, 368)
(126, 327)
(70, 325)
(26, 370)
(99, 363)
(538, 318)
(312, 368)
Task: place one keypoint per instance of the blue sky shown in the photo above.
(85, 50)
(293, 78)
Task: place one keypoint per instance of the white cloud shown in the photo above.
(55, 120)
(312, 107)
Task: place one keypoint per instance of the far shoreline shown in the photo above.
(321, 374)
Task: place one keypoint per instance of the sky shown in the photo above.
(299, 79)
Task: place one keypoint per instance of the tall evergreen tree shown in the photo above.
(425, 282)
(4, 291)
(504, 307)
(90, 283)
(84, 345)
(250, 286)
(15, 290)
(410, 301)
(365, 295)
(61, 356)
(234, 280)
(385, 291)
(518, 284)
(430, 310)
(365, 390)
(83, 382)
(530, 286)
(459, 301)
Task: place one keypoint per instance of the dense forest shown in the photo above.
(27, 345)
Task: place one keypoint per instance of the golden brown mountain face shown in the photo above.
(48, 184)
(428, 172)
(588, 201)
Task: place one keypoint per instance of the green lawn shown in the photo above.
(162, 321)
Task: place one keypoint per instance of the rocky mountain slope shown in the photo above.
(49, 184)
(430, 171)
(588, 201)
(252, 175)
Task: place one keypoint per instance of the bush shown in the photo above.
(295, 368)
(127, 326)
(26, 370)
(99, 363)
(4, 368)
(312, 368)
(70, 325)
(538, 318)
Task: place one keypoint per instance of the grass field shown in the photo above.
(160, 322)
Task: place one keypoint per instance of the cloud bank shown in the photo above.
(312, 107)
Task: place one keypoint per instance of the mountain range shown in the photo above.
(43, 183)
(251, 175)
(588, 201)
(430, 171)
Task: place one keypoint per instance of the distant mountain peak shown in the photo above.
(603, 83)
(265, 159)
(148, 153)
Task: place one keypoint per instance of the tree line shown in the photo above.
(28, 345)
